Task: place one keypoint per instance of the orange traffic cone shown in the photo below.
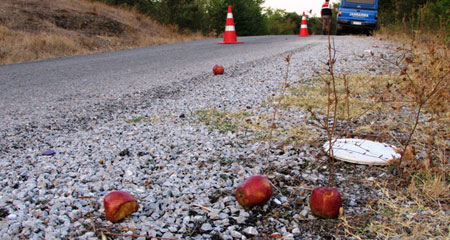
(230, 32)
(304, 27)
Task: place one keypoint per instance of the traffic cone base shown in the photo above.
(230, 32)
(237, 42)
(304, 27)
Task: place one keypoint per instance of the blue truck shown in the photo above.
(357, 15)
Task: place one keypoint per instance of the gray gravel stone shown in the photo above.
(304, 212)
(206, 227)
(168, 235)
(250, 231)
(236, 234)
(241, 219)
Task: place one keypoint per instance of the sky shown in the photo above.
(297, 6)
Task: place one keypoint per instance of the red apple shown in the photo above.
(325, 202)
(218, 70)
(255, 190)
(119, 204)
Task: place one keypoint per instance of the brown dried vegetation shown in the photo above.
(408, 108)
(38, 29)
(416, 200)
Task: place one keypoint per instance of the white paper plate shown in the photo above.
(362, 151)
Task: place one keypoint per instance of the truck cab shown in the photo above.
(359, 15)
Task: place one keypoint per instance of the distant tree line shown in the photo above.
(416, 14)
(208, 16)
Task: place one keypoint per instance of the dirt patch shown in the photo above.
(87, 23)
(39, 29)
(36, 17)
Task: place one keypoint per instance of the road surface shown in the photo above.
(30, 88)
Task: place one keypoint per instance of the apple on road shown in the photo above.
(119, 204)
(255, 190)
(325, 202)
(218, 70)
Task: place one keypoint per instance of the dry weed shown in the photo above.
(425, 90)
(419, 121)
(418, 213)
(412, 109)
(17, 46)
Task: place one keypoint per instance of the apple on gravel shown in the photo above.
(256, 190)
(325, 202)
(218, 69)
(118, 205)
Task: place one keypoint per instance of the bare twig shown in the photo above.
(86, 197)
(331, 107)
(275, 112)
(202, 207)
(413, 130)
(347, 97)
(93, 227)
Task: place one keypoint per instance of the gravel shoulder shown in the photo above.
(152, 142)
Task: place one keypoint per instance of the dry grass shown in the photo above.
(19, 46)
(39, 29)
(416, 203)
(356, 94)
(404, 34)
(256, 126)
(235, 122)
(418, 212)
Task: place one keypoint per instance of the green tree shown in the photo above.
(315, 25)
(187, 14)
(428, 15)
(250, 16)
(400, 11)
(247, 14)
(281, 22)
(296, 19)
(209, 16)
(216, 11)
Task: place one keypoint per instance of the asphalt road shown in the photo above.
(28, 88)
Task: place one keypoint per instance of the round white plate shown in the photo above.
(362, 151)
